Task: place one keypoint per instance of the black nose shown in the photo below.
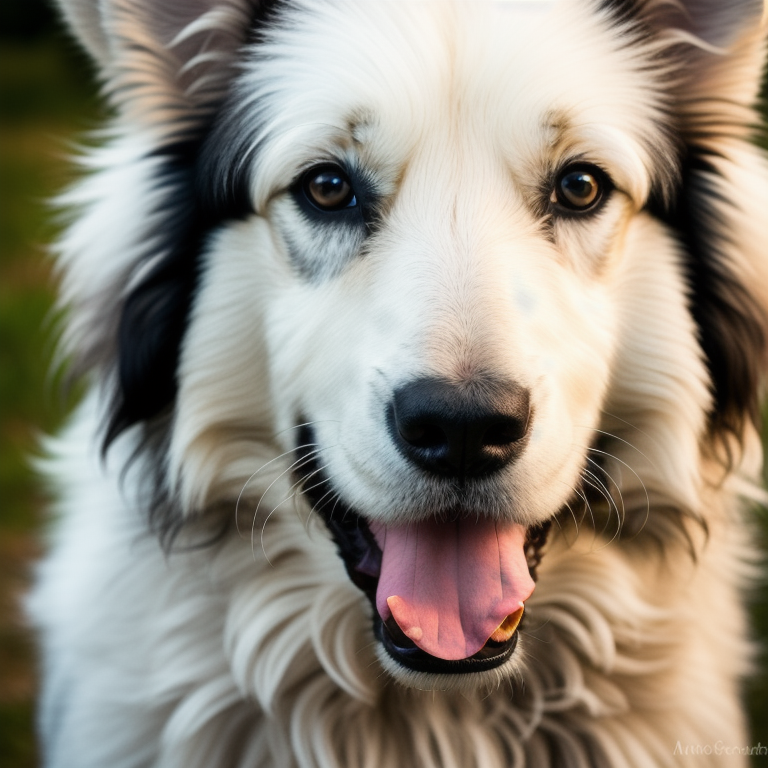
(460, 430)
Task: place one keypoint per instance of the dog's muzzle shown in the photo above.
(447, 595)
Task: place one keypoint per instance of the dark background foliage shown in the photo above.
(48, 98)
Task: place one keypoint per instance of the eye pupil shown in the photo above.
(329, 189)
(578, 190)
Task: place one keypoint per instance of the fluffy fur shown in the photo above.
(193, 609)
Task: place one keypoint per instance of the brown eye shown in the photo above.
(579, 189)
(329, 188)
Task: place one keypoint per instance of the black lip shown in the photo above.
(361, 556)
(403, 651)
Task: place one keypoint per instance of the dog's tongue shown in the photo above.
(450, 585)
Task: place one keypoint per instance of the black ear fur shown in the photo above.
(732, 326)
(717, 22)
(155, 312)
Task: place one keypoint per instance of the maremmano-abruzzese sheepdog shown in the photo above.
(425, 342)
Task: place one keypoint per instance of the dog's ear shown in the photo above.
(714, 58)
(173, 56)
(101, 24)
(717, 22)
(167, 66)
(85, 19)
(718, 45)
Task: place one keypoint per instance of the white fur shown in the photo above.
(257, 650)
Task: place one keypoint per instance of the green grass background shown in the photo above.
(47, 99)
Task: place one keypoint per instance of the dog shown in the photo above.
(424, 344)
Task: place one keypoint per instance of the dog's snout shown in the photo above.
(460, 430)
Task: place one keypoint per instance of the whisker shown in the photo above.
(622, 515)
(248, 481)
(601, 469)
(307, 424)
(263, 527)
(639, 480)
(330, 492)
(568, 506)
(589, 483)
(336, 504)
(627, 443)
(298, 463)
(587, 506)
(595, 482)
(631, 426)
(272, 512)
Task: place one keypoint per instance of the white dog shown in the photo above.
(425, 341)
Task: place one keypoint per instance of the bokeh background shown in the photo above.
(49, 100)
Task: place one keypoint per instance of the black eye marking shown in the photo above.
(580, 188)
(328, 188)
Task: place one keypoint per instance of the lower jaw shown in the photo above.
(409, 656)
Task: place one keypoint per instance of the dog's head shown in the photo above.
(467, 266)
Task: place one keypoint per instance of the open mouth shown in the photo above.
(448, 596)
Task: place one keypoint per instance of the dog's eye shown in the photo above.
(579, 188)
(328, 188)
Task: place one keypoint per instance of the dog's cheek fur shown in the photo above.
(654, 415)
(223, 414)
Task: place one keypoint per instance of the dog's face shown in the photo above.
(451, 237)
(446, 238)
(430, 275)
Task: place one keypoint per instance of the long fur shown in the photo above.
(193, 609)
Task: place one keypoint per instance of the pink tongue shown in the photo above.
(449, 585)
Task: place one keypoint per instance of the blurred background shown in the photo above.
(48, 100)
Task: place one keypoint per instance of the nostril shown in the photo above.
(504, 432)
(421, 434)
